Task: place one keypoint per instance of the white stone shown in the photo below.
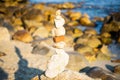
(4, 34)
(58, 31)
(60, 45)
(59, 22)
(57, 63)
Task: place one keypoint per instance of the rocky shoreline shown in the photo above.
(26, 43)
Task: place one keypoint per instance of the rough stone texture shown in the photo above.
(117, 69)
(102, 56)
(94, 42)
(66, 75)
(76, 61)
(4, 34)
(75, 15)
(85, 21)
(2, 54)
(77, 33)
(16, 67)
(74, 32)
(69, 42)
(106, 41)
(41, 32)
(104, 49)
(82, 40)
(97, 72)
(30, 23)
(57, 63)
(83, 49)
(106, 35)
(90, 32)
(112, 26)
(23, 36)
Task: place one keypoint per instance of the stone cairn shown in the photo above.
(60, 59)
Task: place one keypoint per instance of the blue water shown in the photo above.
(92, 7)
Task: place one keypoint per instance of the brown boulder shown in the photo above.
(72, 23)
(94, 42)
(85, 21)
(90, 31)
(16, 21)
(97, 72)
(106, 38)
(33, 14)
(117, 69)
(112, 26)
(39, 6)
(75, 16)
(82, 48)
(23, 36)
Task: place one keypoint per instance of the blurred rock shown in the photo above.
(69, 42)
(94, 42)
(85, 21)
(106, 35)
(57, 63)
(73, 23)
(76, 61)
(104, 49)
(39, 6)
(82, 48)
(66, 5)
(106, 41)
(2, 54)
(102, 56)
(97, 72)
(44, 47)
(41, 32)
(77, 33)
(5, 35)
(17, 21)
(13, 3)
(112, 17)
(75, 16)
(33, 14)
(90, 31)
(117, 69)
(82, 40)
(23, 36)
(111, 25)
(98, 19)
(66, 75)
(31, 25)
(18, 28)
(41, 47)
(90, 57)
(48, 26)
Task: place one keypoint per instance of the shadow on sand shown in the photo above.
(24, 72)
(3, 75)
